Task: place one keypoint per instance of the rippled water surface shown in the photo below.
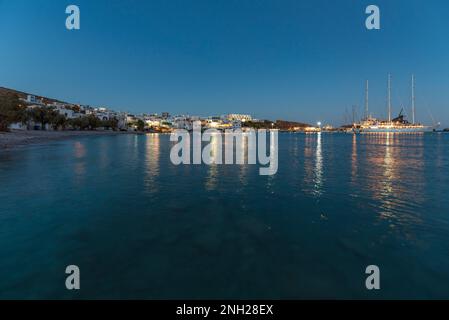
(141, 227)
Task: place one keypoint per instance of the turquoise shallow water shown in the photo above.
(140, 227)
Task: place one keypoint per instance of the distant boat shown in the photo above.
(396, 125)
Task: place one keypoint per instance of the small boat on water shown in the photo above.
(396, 125)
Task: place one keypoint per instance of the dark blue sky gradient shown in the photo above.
(277, 59)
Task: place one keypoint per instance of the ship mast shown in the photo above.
(389, 98)
(413, 98)
(366, 100)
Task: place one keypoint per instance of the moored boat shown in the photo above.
(397, 125)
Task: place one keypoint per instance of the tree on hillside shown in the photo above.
(90, 122)
(94, 122)
(75, 123)
(266, 124)
(58, 121)
(112, 123)
(11, 110)
(42, 115)
(140, 125)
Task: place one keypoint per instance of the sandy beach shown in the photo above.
(17, 138)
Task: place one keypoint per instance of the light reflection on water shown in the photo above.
(313, 164)
(354, 160)
(79, 151)
(318, 181)
(224, 231)
(308, 164)
(395, 175)
(215, 155)
(243, 174)
(387, 175)
(152, 158)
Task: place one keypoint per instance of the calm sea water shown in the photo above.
(140, 227)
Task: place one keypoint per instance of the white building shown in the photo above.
(18, 126)
(130, 118)
(239, 117)
(122, 124)
(152, 122)
(33, 99)
(236, 124)
(103, 115)
(182, 122)
(68, 113)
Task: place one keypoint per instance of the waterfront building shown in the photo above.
(18, 126)
(68, 113)
(182, 123)
(152, 122)
(239, 117)
(130, 118)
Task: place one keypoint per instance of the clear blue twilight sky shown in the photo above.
(276, 59)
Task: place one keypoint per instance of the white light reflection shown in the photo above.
(152, 155)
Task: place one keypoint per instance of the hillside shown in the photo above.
(288, 125)
(5, 91)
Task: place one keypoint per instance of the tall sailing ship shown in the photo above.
(399, 124)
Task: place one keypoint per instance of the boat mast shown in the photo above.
(353, 113)
(413, 98)
(366, 100)
(389, 98)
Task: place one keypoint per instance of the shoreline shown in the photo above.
(20, 138)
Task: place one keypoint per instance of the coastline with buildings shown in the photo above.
(27, 118)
